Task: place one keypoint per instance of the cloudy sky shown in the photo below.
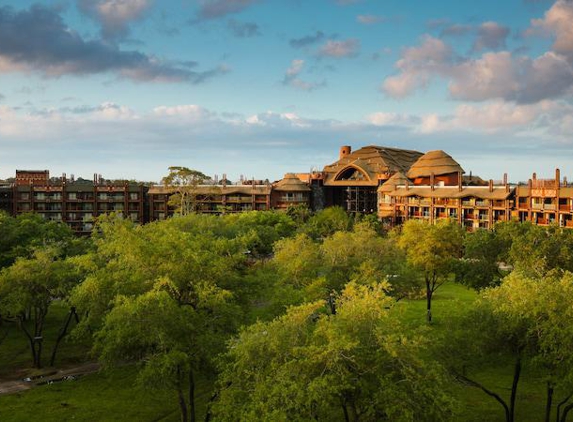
(127, 88)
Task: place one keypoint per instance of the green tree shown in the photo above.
(22, 234)
(310, 365)
(525, 319)
(480, 266)
(184, 182)
(327, 222)
(28, 287)
(172, 340)
(433, 250)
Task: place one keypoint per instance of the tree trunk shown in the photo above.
(565, 412)
(516, 374)
(63, 333)
(191, 396)
(561, 403)
(428, 302)
(549, 401)
(344, 409)
(353, 413)
(181, 397)
(31, 340)
(490, 393)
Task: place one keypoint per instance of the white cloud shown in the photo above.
(340, 49)
(392, 119)
(370, 19)
(417, 66)
(292, 78)
(112, 138)
(115, 16)
(491, 36)
(493, 75)
(558, 21)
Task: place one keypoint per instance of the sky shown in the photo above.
(259, 88)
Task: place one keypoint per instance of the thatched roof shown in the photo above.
(291, 183)
(397, 179)
(437, 162)
(371, 162)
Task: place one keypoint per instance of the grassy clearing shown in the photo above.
(105, 396)
(15, 355)
(115, 396)
(450, 300)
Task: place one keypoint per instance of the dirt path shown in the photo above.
(48, 377)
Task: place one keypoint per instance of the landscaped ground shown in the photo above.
(114, 395)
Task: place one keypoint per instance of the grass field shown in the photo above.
(114, 395)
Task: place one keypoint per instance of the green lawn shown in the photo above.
(105, 396)
(15, 352)
(449, 300)
(114, 395)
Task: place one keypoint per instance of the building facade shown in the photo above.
(395, 184)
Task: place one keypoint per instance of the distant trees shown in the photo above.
(309, 270)
(183, 182)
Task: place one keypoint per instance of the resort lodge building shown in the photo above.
(395, 184)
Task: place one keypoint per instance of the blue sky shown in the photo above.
(127, 88)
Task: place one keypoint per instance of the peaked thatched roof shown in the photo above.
(397, 179)
(371, 161)
(437, 162)
(291, 183)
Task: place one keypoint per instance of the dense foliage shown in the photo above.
(297, 316)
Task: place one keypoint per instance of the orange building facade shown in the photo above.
(394, 184)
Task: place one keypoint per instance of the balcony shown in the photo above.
(482, 203)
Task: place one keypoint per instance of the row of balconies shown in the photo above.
(486, 203)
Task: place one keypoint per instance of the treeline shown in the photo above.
(298, 316)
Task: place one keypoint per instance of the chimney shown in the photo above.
(557, 178)
(505, 178)
(534, 177)
(344, 151)
(432, 178)
(460, 181)
(490, 185)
